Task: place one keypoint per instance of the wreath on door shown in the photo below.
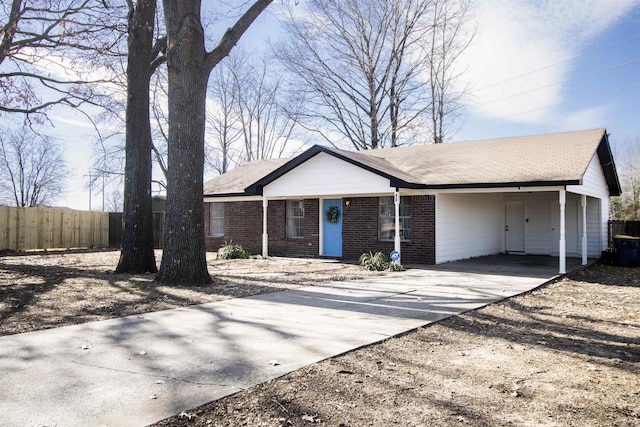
(333, 214)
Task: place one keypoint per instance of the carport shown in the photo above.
(549, 221)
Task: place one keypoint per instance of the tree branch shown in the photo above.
(233, 34)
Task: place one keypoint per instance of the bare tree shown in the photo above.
(250, 119)
(627, 206)
(363, 69)
(33, 169)
(114, 202)
(144, 56)
(109, 149)
(49, 50)
(189, 65)
(266, 125)
(451, 34)
(223, 118)
(159, 128)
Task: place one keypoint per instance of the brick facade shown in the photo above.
(243, 225)
(360, 230)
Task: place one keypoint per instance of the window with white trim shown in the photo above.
(216, 219)
(387, 218)
(295, 219)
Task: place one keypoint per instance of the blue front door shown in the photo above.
(332, 227)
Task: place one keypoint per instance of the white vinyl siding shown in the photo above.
(468, 225)
(573, 226)
(596, 241)
(325, 175)
(216, 219)
(295, 219)
(594, 183)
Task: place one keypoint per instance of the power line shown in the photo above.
(561, 62)
(614, 67)
(568, 102)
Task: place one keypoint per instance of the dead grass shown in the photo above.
(565, 354)
(51, 289)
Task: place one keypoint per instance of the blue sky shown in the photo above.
(539, 66)
(534, 67)
(550, 66)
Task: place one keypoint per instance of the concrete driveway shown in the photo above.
(137, 370)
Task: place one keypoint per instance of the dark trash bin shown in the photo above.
(627, 248)
(609, 257)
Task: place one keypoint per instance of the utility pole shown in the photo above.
(90, 187)
(102, 191)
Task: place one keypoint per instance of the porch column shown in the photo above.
(562, 245)
(265, 236)
(396, 240)
(583, 202)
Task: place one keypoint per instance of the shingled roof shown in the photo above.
(534, 160)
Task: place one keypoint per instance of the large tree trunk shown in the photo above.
(184, 257)
(189, 65)
(137, 255)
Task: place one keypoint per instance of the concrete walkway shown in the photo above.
(137, 370)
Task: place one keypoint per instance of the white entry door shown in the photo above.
(514, 227)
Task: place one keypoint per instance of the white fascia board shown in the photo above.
(498, 190)
(232, 199)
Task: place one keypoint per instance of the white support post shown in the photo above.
(396, 240)
(583, 201)
(265, 236)
(563, 244)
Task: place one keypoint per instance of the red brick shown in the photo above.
(243, 225)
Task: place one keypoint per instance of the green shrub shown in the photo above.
(395, 267)
(231, 251)
(378, 262)
(374, 262)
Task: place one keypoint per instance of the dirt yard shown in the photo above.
(47, 290)
(565, 354)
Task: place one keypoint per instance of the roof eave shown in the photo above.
(236, 194)
(256, 187)
(608, 166)
(492, 185)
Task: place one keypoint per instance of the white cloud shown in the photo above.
(585, 119)
(521, 36)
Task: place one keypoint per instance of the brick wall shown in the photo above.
(243, 225)
(360, 230)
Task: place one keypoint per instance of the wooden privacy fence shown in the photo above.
(628, 228)
(115, 229)
(50, 228)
